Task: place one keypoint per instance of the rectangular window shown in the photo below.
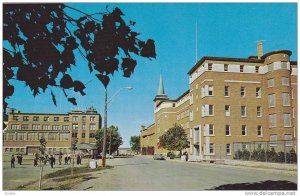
(74, 126)
(285, 81)
(210, 90)
(56, 118)
(225, 67)
(256, 69)
(83, 127)
(55, 127)
(21, 136)
(288, 140)
(46, 127)
(226, 91)
(211, 148)
(271, 82)
(31, 136)
(210, 110)
(244, 130)
(283, 65)
(75, 118)
(243, 91)
(74, 135)
(243, 111)
(258, 111)
(273, 140)
(92, 135)
(35, 118)
(271, 99)
(52, 136)
(241, 68)
(271, 67)
(209, 66)
(272, 120)
(65, 127)
(228, 149)
(258, 92)
(287, 120)
(227, 110)
(66, 119)
(191, 116)
(92, 127)
(211, 129)
(35, 127)
(84, 118)
(64, 136)
(286, 99)
(24, 127)
(46, 118)
(25, 118)
(83, 135)
(227, 130)
(92, 118)
(259, 130)
(15, 127)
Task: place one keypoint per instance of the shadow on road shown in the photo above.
(88, 178)
(264, 185)
(132, 164)
(88, 188)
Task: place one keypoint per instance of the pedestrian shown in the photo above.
(54, 159)
(35, 160)
(66, 159)
(12, 161)
(51, 159)
(69, 158)
(21, 159)
(78, 160)
(60, 159)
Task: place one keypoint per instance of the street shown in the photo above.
(145, 174)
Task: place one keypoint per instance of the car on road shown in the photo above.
(159, 157)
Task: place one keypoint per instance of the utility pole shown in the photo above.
(105, 129)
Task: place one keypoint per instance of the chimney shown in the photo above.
(260, 50)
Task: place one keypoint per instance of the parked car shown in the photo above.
(159, 157)
(171, 155)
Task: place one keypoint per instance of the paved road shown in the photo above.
(143, 173)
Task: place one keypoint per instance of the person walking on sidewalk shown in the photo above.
(12, 161)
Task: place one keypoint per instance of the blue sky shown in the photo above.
(226, 30)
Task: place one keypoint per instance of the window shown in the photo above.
(225, 67)
(53, 136)
(227, 110)
(271, 99)
(55, 127)
(74, 135)
(227, 130)
(64, 136)
(288, 140)
(25, 118)
(35, 127)
(272, 120)
(271, 67)
(283, 65)
(210, 110)
(191, 99)
(209, 66)
(285, 81)
(211, 129)
(210, 90)
(243, 91)
(32, 136)
(56, 118)
(46, 118)
(259, 130)
(24, 126)
(258, 111)
(273, 140)
(243, 111)
(191, 116)
(21, 136)
(92, 118)
(46, 127)
(211, 148)
(287, 120)
(226, 91)
(66, 119)
(15, 118)
(92, 127)
(258, 92)
(15, 127)
(286, 99)
(228, 149)
(35, 118)
(65, 127)
(271, 82)
(241, 68)
(92, 135)
(75, 118)
(10, 136)
(83, 135)
(244, 130)
(256, 69)
(84, 118)
(74, 126)
(83, 127)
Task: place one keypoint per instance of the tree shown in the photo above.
(73, 147)
(116, 139)
(174, 139)
(40, 41)
(42, 158)
(135, 143)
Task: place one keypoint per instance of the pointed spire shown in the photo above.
(161, 90)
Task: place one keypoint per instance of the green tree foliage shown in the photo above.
(135, 143)
(174, 139)
(40, 41)
(116, 139)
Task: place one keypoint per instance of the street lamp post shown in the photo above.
(106, 102)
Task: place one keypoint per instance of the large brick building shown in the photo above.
(229, 101)
(24, 130)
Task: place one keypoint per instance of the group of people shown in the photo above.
(13, 159)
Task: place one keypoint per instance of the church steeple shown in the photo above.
(161, 92)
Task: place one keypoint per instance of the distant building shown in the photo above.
(24, 130)
(229, 101)
(124, 151)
